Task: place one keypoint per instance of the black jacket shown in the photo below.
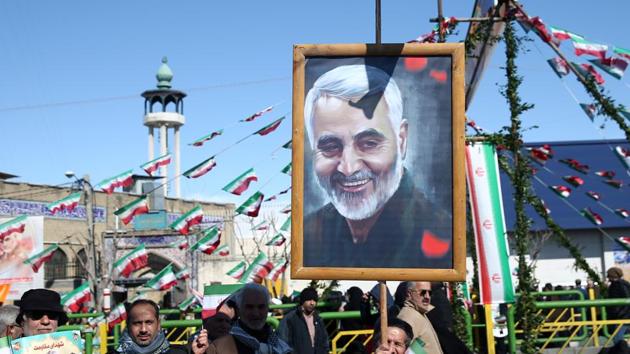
(294, 331)
(618, 289)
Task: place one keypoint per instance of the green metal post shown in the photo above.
(89, 336)
(511, 324)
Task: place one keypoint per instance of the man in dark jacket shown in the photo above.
(303, 329)
(619, 289)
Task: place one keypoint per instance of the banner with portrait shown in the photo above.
(378, 187)
(14, 250)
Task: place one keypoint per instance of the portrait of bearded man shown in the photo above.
(366, 210)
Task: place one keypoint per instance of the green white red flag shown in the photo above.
(183, 274)
(209, 241)
(251, 206)
(562, 191)
(238, 271)
(605, 173)
(181, 244)
(132, 261)
(575, 181)
(614, 67)
(624, 213)
(184, 305)
(222, 251)
(68, 203)
(163, 280)
(258, 270)
(592, 216)
(200, 169)
(286, 226)
(288, 145)
(262, 226)
(614, 183)
(624, 241)
(587, 70)
(562, 35)
(278, 269)
(203, 139)
(277, 240)
(241, 183)
(559, 66)
(625, 53)
(482, 175)
(286, 209)
(117, 315)
(257, 114)
(192, 217)
(213, 296)
(287, 169)
(136, 207)
(72, 301)
(416, 347)
(38, 260)
(593, 195)
(93, 322)
(15, 225)
(121, 180)
(623, 154)
(589, 109)
(155, 164)
(270, 127)
(583, 47)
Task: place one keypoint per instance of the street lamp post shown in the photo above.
(92, 259)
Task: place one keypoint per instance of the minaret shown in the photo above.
(168, 114)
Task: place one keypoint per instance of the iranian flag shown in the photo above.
(562, 35)
(593, 195)
(187, 303)
(416, 347)
(285, 191)
(482, 175)
(625, 53)
(155, 164)
(117, 315)
(42, 257)
(201, 169)
(606, 174)
(183, 274)
(238, 270)
(222, 251)
(287, 169)
(203, 139)
(286, 226)
(583, 47)
(624, 213)
(587, 70)
(183, 224)
(286, 209)
(213, 296)
(163, 280)
(277, 240)
(181, 244)
(592, 216)
(614, 183)
(241, 183)
(589, 109)
(574, 180)
(262, 226)
(559, 66)
(121, 180)
(258, 270)
(68, 203)
(614, 67)
(562, 191)
(132, 261)
(288, 145)
(623, 154)
(277, 270)
(257, 114)
(270, 127)
(137, 207)
(209, 241)
(273, 197)
(73, 300)
(624, 241)
(13, 225)
(251, 206)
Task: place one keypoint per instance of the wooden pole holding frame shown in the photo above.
(383, 308)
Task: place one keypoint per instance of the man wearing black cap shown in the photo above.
(303, 329)
(40, 312)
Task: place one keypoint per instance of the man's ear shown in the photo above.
(402, 137)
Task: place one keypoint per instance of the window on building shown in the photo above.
(57, 267)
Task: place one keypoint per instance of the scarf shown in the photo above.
(159, 345)
(274, 344)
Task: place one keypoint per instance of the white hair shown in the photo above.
(353, 82)
(8, 316)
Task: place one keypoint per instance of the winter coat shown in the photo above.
(294, 331)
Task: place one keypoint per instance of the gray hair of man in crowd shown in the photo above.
(8, 316)
(353, 82)
(250, 287)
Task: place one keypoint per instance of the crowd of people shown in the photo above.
(419, 314)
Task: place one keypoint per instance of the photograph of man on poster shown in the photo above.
(378, 163)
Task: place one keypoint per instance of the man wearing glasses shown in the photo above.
(414, 312)
(40, 312)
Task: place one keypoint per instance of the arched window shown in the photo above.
(80, 270)
(57, 267)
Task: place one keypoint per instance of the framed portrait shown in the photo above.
(378, 162)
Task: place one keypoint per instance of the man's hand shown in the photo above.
(200, 344)
(385, 349)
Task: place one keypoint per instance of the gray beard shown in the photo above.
(357, 205)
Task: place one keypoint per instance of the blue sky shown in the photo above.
(73, 71)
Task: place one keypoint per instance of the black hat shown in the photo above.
(42, 300)
(308, 294)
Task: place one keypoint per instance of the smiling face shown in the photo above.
(358, 161)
